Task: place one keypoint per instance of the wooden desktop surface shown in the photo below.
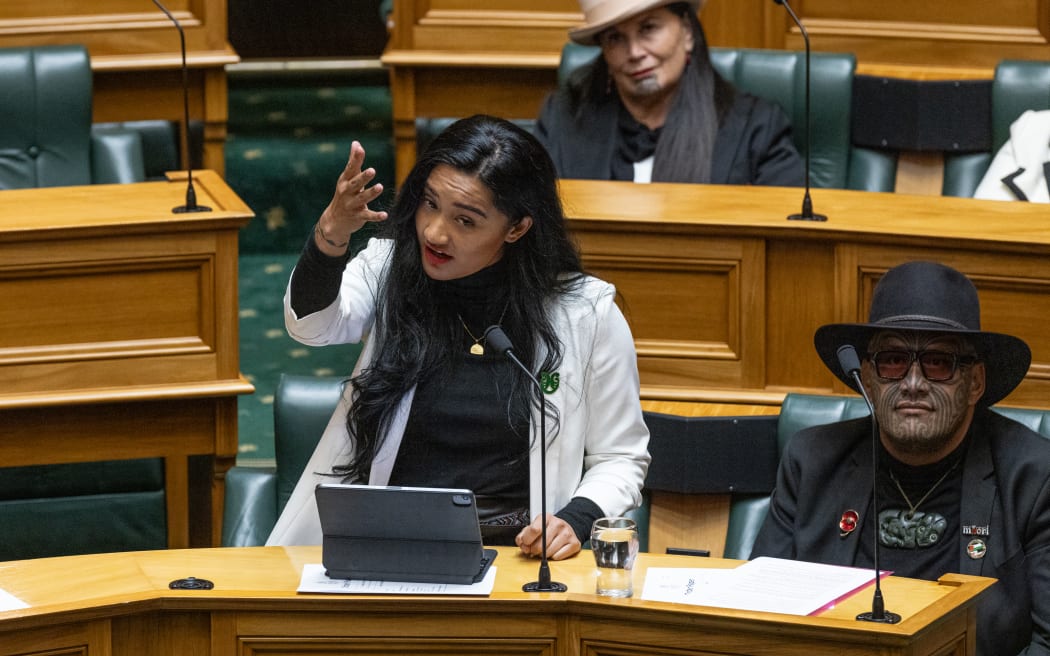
(122, 602)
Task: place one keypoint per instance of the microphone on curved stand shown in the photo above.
(497, 339)
(807, 203)
(191, 194)
(850, 364)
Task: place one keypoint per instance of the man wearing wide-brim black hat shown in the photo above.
(961, 488)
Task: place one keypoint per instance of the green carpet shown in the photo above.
(289, 137)
(267, 351)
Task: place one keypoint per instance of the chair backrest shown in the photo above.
(302, 406)
(46, 135)
(748, 512)
(780, 76)
(1017, 87)
(113, 506)
(45, 116)
(801, 411)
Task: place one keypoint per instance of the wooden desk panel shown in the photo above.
(119, 337)
(120, 605)
(724, 294)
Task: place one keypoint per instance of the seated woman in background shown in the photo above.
(476, 238)
(652, 108)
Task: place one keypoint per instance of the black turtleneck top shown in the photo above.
(464, 430)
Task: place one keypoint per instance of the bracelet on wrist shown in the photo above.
(320, 233)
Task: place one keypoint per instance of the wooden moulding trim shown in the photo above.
(145, 62)
(662, 348)
(518, 19)
(704, 395)
(200, 390)
(486, 59)
(897, 30)
(103, 351)
(95, 23)
(924, 73)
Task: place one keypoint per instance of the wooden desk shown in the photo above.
(724, 294)
(120, 605)
(118, 334)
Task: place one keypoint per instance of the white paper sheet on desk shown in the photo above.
(10, 602)
(772, 585)
(315, 580)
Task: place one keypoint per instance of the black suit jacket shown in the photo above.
(753, 145)
(1006, 486)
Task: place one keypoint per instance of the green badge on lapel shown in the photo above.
(549, 382)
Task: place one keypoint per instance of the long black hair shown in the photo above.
(687, 139)
(415, 334)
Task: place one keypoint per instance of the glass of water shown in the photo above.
(614, 541)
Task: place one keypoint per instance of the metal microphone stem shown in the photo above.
(807, 204)
(496, 338)
(850, 363)
(191, 193)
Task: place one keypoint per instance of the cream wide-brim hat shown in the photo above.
(601, 14)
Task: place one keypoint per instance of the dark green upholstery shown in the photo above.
(158, 141)
(46, 136)
(779, 76)
(255, 496)
(1018, 86)
(59, 510)
(802, 411)
(302, 407)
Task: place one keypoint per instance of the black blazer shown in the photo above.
(753, 146)
(1006, 486)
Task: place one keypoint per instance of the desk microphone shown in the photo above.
(850, 364)
(807, 204)
(191, 194)
(497, 339)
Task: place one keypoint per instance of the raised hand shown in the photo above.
(348, 209)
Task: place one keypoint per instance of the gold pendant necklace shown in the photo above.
(477, 348)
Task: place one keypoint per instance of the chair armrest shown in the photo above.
(116, 156)
(746, 516)
(250, 508)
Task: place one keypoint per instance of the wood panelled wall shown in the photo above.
(135, 56)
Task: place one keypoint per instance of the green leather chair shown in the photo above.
(46, 135)
(1017, 86)
(802, 411)
(779, 76)
(302, 407)
(255, 496)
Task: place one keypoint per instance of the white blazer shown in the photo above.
(600, 451)
(1022, 164)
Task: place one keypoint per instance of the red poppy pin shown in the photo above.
(848, 522)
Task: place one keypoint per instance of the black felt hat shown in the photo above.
(930, 297)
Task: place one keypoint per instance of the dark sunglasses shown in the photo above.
(937, 366)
